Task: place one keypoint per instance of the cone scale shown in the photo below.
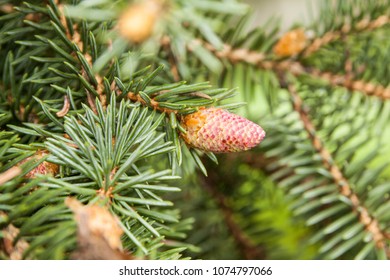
(219, 131)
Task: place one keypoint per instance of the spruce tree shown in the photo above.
(135, 130)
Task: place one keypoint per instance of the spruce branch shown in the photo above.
(346, 81)
(152, 103)
(103, 152)
(65, 165)
(371, 224)
(364, 25)
(260, 60)
(248, 250)
(86, 60)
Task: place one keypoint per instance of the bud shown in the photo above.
(43, 168)
(219, 131)
(96, 223)
(11, 235)
(138, 20)
(291, 43)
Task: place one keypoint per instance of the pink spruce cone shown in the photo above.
(216, 130)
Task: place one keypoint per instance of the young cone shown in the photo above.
(219, 131)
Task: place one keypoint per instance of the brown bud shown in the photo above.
(291, 43)
(137, 22)
(9, 234)
(98, 232)
(43, 168)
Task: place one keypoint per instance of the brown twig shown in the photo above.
(363, 25)
(76, 38)
(232, 54)
(153, 103)
(368, 88)
(297, 69)
(10, 174)
(370, 223)
(91, 102)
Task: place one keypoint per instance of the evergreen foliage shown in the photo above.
(93, 164)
